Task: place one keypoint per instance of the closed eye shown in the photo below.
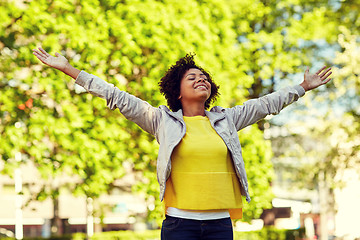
(194, 79)
(191, 76)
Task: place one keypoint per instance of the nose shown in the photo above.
(201, 79)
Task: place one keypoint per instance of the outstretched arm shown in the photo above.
(317, 79)
(58, 62)
(255, 109)
(133, 108)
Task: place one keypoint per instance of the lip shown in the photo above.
(201, 85)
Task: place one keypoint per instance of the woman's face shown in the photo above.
(194, 86)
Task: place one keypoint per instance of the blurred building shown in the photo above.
(315, 205)
(121, 210)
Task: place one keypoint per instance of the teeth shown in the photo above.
(201, 87)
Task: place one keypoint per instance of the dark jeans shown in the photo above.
(174, 228)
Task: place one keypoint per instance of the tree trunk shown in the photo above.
(56, 225)
(323, 198)
(89, 217)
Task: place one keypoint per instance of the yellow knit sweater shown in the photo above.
(202, 175)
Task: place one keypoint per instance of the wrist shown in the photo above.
(71, 71)
(66, 68)
(304, 86)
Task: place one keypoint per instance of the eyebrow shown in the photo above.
(195, 74)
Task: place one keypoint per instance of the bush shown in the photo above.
(270, 233)
(128, 235)
(75, 236)
(264, 234)
(62, 237)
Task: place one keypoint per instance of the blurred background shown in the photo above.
(70, 165)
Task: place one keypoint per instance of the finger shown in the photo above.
(38, 53)
(35, 51)
(44, 52)
(306, 72)
(40, 57)
(324, 72)
(327, 75)
(321, 70)
(325, 82)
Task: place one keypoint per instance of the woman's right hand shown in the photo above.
(59, 62)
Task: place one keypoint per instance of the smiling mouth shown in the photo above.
(201, 86)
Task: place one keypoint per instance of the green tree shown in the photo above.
(328, 143)
(276, 41)
(52, 123)
(340, 128)
(337, 122)
(246, 45)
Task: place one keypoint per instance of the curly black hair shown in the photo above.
(170, 83)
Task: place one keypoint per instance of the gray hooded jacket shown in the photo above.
(169, 127)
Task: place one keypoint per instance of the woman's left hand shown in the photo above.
(312, 81)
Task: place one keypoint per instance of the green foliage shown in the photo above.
(265, 233)
(271, 234)
(75, 236)
(278, 39)
(129, 44)
(339, 130)
(246, 45)
(327, 141)
(257, 155)
(131, 235)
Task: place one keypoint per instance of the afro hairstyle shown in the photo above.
(170, 83)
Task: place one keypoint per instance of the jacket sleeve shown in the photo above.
(133, 108)
(256, 109)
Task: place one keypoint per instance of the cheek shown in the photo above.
(186, 86)
(183, 89)
(209, 86)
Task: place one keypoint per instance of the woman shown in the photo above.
(200, 168)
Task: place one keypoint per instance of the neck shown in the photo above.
(193, 110)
